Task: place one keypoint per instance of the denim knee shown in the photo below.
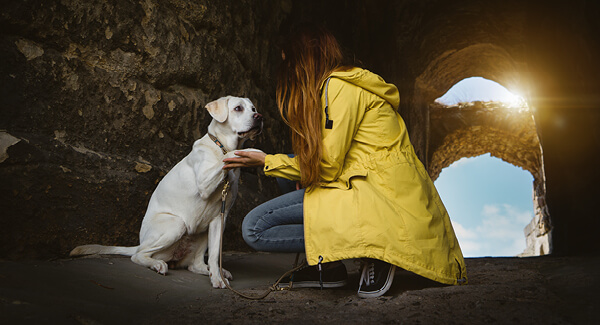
(276, 225)
(249, 230)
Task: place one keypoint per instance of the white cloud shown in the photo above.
(520, 216)
(462, 232)
(467, 239)
(499, 232)
(489, 210)
(471, 248)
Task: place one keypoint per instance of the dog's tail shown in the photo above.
(99, 249)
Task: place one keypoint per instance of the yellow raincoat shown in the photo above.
(375, 198)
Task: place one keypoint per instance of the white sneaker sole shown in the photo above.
(314, 284)
(383, 290)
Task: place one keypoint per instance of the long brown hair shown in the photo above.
(311, 55)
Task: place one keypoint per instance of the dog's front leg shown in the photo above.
(215, 231)
(208, 179)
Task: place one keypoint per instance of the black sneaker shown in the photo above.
(376, 278)
(333, 275)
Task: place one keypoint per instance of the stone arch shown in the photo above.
(448, 68)
(472, 130)
(458, 132)
(484, 59)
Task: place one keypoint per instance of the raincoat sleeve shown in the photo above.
(345, 108)
(281, 165)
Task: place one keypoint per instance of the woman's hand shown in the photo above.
(246, 158)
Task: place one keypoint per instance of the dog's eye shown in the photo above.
(238, 108)
(254, 109)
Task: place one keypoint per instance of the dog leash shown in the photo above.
(275, 286)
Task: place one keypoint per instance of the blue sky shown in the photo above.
(477, 88)
(489, 200)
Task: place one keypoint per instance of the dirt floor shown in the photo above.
(113, 290)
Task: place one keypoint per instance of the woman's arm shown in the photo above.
(278, 165)
(346, 111)
(245, 159)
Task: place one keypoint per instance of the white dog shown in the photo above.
(183, 216)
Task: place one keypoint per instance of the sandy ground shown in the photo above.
(113, 290)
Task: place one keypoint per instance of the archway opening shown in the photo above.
(489, 203)
(480, 118)
(470, 91)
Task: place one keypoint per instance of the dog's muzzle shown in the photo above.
(256, 128)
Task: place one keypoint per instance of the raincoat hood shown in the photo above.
(372, 83)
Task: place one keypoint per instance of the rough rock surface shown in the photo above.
(472, 130)
(101, 98)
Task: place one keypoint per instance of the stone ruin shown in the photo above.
(508, 133)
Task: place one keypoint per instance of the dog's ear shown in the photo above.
(218, 109)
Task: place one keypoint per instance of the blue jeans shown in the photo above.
(277, 225)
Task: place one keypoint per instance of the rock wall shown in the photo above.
(472, 130)
(101, 98)
(564, 43)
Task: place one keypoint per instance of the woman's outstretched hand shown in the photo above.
(246, 158)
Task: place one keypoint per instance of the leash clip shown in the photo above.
(223, 198)
(225, 191)
(279, 288)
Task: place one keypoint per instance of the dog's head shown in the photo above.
(237, 114)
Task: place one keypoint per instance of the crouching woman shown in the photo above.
(365, 194)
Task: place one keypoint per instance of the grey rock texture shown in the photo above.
(104, 97)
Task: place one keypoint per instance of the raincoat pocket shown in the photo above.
(344, 182)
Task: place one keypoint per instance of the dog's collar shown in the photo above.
(218, 143)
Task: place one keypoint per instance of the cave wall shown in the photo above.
(564, 47)
(99, 99)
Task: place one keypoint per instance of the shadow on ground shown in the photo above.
(113, 290)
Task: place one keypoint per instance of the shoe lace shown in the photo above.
(368, 273)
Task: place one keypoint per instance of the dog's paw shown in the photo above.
(217, 281)
(231, 154)
(251, 149)
(227, 275)
(200, 269)
(160, 267)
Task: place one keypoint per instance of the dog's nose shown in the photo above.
(257, 116)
